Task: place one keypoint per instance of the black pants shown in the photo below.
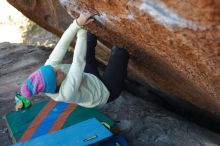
(115, 73)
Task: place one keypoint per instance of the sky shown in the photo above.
(10, 22)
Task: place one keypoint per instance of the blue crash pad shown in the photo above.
(84, 133)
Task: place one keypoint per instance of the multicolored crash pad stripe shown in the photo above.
(49, 116)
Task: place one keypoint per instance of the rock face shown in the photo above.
(174, 45)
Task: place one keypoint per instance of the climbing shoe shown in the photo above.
(21, 102)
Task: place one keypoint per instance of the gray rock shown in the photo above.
(145, 123)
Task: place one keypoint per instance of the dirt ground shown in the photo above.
(142, 122)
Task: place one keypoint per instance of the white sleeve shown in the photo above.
(70, 85)
(62, 46)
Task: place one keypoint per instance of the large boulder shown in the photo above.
(174, 45)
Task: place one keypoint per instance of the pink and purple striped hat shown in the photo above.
(42, 80)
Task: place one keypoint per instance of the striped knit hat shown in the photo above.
(42, 80)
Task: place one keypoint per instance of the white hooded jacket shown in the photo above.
(78, 87)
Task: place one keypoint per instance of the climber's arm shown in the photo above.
(71, 84)
(62, 46)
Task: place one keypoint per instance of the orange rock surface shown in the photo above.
(174, 45)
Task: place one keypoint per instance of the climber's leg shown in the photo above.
(115, 73)
(91, 66)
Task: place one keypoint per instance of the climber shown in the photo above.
(80, 81)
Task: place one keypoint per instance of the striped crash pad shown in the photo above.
(48, 116)
(89, 132)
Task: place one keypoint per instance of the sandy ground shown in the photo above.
(141, 122)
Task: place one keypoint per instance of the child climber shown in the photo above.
(80, 81)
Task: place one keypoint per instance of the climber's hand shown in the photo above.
(84, 18)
